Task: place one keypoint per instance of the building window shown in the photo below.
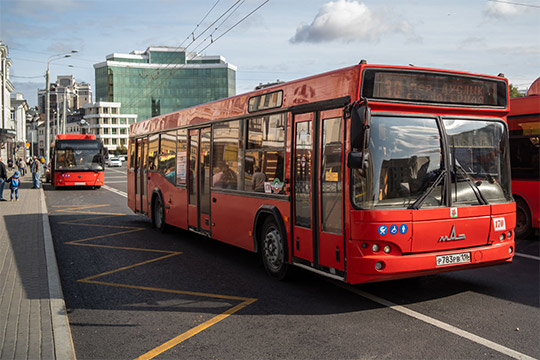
(114, 121)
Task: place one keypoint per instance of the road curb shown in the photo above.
(63, 343)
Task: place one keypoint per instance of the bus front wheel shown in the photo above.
(158, 214)
(523, 219)
(273, 251)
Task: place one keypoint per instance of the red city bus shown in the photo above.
(77, 160)
(366, 173)
(524, 126)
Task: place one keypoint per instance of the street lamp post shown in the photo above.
(48, 102)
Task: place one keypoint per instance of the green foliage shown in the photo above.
(121, 150)
(514, 92)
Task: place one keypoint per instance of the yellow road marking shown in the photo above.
(197, 329)
(91, 279)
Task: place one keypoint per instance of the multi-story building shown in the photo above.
(19, 110)
(7, 131)
(65, 96)
(163, 79)
(105, 120)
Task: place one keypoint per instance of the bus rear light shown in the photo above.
(387, 249)
(375, 247)
(379, 265)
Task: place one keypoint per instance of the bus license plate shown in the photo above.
(454, 259)
(80, 183)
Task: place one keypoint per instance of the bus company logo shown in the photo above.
(453, 213)
(452, 236)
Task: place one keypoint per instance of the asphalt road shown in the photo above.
(133, 292)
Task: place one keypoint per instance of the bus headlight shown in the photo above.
(502, 237)
(375, 248)
(387, 249)
(379, 265)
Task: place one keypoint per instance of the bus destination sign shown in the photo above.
(434, 88)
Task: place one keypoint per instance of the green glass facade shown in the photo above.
(165, 82)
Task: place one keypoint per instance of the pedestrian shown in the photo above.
(35, 173)
(3, 178)
(22, 166)
(14, 183)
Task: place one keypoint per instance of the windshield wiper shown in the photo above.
(418, 203)
(476, 190)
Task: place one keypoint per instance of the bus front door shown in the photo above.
(318, 190)
(199, 180)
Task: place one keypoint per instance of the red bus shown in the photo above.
(362, 174)
(77, 160)
(524, 125)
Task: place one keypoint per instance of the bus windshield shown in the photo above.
(406, 157)
(78, 155)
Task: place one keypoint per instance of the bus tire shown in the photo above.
(158, 213)
(523, 219)
(273, 249)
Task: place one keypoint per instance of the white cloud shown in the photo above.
(501, 10)
(350, 21)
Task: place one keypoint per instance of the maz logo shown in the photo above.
(452, 236)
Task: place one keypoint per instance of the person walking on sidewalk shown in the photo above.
(35, 173)
(14, 183)
(22, 166)
(3, 177)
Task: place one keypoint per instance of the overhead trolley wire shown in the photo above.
(156, 72)
(233, 8)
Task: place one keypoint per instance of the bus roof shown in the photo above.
(75, 137)
(341, 84)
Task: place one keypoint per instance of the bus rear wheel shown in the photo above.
(523, 219)
(273, 250)
(158, 214)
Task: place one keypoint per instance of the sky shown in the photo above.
(271, 40)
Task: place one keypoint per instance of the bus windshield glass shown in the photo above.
(405, 164)
(75, 155)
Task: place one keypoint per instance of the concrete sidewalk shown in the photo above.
(33, 319)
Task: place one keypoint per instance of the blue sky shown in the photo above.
(284, 39)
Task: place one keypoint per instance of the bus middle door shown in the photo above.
(199, 180)
(318, 190)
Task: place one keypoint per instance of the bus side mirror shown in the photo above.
(355, 160)
(360, 122)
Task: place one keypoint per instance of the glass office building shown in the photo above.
(161, 80)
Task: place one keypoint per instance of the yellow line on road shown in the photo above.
(171, 254)
(197, 329)
(91, 279)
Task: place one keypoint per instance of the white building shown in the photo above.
(105, 120)
(19, 109)
(7, 131)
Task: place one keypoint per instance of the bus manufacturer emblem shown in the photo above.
(452, 236)
(453, 213)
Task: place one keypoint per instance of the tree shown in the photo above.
(514, 92)
(121, 150)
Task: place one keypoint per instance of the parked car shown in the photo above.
(115, 162)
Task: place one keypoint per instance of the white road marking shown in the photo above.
(116, 191)
(444, 326)
(528, 256)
